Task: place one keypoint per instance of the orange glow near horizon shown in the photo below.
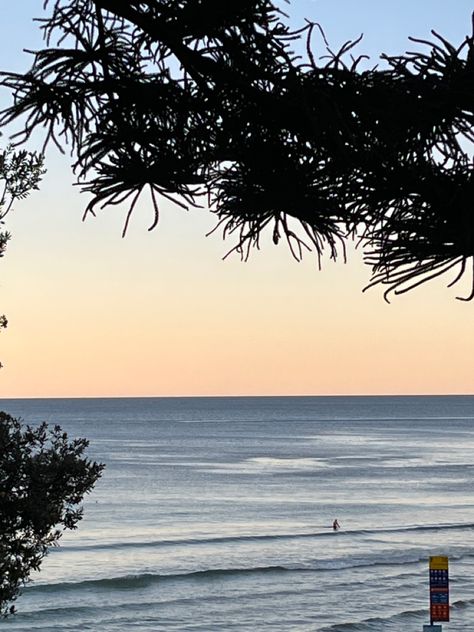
(146, 320)
(161, 314)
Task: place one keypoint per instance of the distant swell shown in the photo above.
(324, 418)
(379, 623)
(375, 624)
(265, 537)
(146, 579)
(462, 603)
(143, 580)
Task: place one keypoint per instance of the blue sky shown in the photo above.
(162, 314)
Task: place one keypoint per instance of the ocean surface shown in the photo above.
(215, 514)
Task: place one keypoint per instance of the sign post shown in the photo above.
(439, 592)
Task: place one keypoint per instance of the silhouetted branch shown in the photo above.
(199, 97)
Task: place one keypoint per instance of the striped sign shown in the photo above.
(439, 589)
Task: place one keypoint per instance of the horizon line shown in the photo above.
(242, 396)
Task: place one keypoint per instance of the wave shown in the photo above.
(409, 558)
(142, 580)
(262, 537)
(321, 418)
(374, 623)
(327, 420)
(95, 613)
(379, 623)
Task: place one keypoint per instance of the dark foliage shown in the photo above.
(187, 97)
(20, 172)
(43, 479)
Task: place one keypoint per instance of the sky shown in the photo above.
(162, 313)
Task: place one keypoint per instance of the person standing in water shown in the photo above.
(336, 525)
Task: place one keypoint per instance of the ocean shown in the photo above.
(215, 514)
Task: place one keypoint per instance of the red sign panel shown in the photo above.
(439, 589)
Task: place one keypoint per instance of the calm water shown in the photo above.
(215, 514)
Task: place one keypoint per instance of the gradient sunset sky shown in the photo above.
(161, 313)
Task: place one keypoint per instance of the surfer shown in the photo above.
(336, 525)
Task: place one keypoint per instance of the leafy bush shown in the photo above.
(43, 479)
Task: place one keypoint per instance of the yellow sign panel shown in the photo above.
(439, 563)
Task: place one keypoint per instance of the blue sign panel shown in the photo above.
(439, 589)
